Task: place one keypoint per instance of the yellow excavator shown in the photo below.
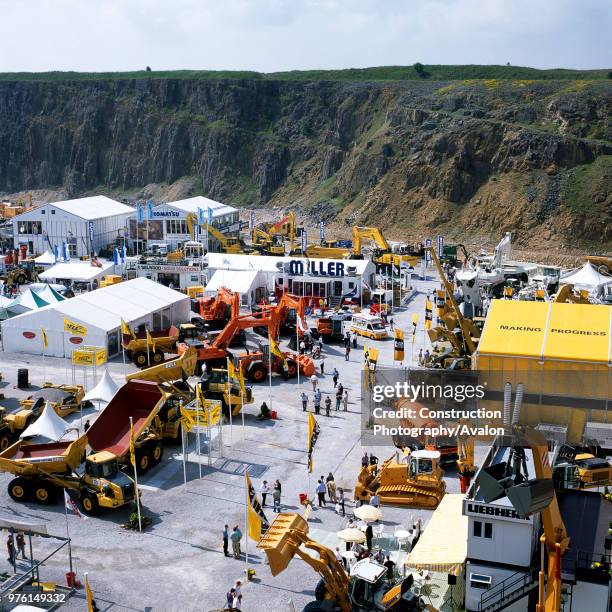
(228, 244)
(268, 244)
(460, 332)
(566, 293)
(529, 496)
(383, 254)
(418, 483)
(365, 590)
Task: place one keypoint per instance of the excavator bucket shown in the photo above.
(283, 538)
(180, 368)
(491, 482)
(531, 496)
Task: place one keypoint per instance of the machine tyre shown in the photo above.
(257, 372)
(21, 279)
(19, 489)
(157, 357)
(292, 368)
(140, 359)
(157, 453)
(5, 440)
(89, 503)
(320, 590)
(143, 461)
(43, 493)
(313, 606)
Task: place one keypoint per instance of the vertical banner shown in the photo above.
(304, 237)
(201, 219)
(415, 322)
(427, 253)
(140, 213)
(322, 231)
(251, 220)
(398, 345)
(440, 246)
(149, 209)
(210, 216)
(428, 313)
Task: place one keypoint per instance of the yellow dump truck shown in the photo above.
(42, 470)
(145, 353)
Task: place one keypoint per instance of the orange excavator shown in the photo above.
(253, 364)
(292, 315)
(217, 311)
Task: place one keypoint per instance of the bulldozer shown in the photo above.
(364, 590)
(23, 273)
(417, 483)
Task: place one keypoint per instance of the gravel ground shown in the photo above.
(178, 564)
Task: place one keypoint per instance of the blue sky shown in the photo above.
(271, 35)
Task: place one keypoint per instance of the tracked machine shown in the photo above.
(418, 483)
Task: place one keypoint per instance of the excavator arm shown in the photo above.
(566, 293)
(287, 537)
(465, 329)
(368, 233)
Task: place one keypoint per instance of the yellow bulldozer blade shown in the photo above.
(282, 540)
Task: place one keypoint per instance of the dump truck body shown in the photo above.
(64, 399)
(136, 346)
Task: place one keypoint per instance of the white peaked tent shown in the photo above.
(27, 301)
(49, 294)
(46, 259)
(586, 278)
(49, 426)
(104, 391)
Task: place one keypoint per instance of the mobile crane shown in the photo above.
(365, 590)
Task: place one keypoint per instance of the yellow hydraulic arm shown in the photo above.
(566, 294)
(284, 539)
(465, 331)
(368, 233)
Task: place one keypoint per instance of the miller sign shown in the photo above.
(316, 268)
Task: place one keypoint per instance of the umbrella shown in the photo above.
(368, 513)
(351, 534)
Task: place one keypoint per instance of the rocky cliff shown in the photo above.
(465, 156)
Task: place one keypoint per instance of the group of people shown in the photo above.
(340, 392)
(234, 596)
(14, 551)
(264, 489)
(327, 486)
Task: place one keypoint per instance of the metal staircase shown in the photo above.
(507, 592)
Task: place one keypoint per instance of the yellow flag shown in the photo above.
(313, 435)
(428, 314)
(257, 521)
(186, 421)
(74, 328)
(200, 396)
(132, 445)
(231, 372)
(90, 599)
(415, 320)
(44, 338)
(398, 345)
(276, 351)
(125, 329)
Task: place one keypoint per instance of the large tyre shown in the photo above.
(313, 606)
(157, 357)
(172, 441)
(5, 440)
(19, 489)
(143, 461)
(21, 279)
(140, 359)
(257, 372)
(43, 493)
(320, 590)
(292, 368)
(157, 453)
(89, 503)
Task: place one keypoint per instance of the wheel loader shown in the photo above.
(365, 589)
(215, 385)
(417, 483)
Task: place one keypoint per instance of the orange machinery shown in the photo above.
(253, 364)
(217, 311)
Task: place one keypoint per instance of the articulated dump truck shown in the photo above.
(41, 470)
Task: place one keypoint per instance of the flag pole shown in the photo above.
(246, 523)
(270, 365)
(229, 397)
(135, 476)
(148, 335)
(67, 532)
(184, 464)
(198, 430)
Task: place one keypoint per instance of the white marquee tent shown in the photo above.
(138, 302)
(104, 391)
(48, 427)
(587, 278)
(46, 259)
(244, 282)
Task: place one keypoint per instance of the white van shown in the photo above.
(369, 326)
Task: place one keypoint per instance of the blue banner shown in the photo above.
(200, 216)
(56, 252)
(304, 240)
(150, 209)
(116, 256)
(210, 216)
(139, 213)
(251, 220)
(427, 253)
(440, 246)
(91, 231)
(322, 231)
(123, 253)
(65, 253)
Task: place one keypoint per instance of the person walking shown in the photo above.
(331, 491)
(365, 460)
(302, 347)
(230, 595)
(238, 595)
(354, 341)
(338, 399)
(390, 565)
(86, 426)
(225, 534)
(345, 401)
(375, 501)
(321, 489)
(369, 534)
(21, 544)
(335, 375)
(328, 406)
(341, 500)
(235, 537)
(315, 381)
(317, 401)
(322, 366)
(10, 547)
(264, 490)
(391, 323)
(347, 352)
(304, 401)
(421, 357)
(276, 498)
(340, 388)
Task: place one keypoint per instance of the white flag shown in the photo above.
(71, 505)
